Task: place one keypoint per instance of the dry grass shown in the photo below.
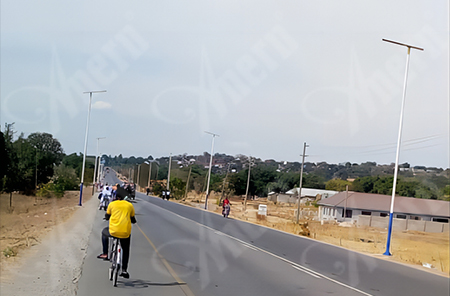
(25, 220)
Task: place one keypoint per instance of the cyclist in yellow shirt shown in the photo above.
(120, 214)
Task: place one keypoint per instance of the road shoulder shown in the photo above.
(54, 266)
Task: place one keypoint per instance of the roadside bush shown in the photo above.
(177, 187)
(9, 252)
(157, 190)
(66, 178)
(51, 190)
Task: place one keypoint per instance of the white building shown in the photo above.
(366, 209)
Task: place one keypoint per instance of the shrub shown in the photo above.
(66, 178)
(51, 190)
(9, 252)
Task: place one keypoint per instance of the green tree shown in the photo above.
(198, 178)
(66, 178)
(407, 188)
(157, 189)
(74, 161)
(283, 182)
(177, 187)
(337, 185)
(424, 192)
(238, 182)
(11, 181)
(363, 184)
(288, 180)
(216, 182)
(50, 154)
(383, 185)
(446, 192)
(261, 176)
(27, 164)
(313, 181)
(4, 157)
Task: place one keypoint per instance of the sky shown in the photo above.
(265, 76)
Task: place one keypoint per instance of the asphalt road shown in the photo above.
(179, 250)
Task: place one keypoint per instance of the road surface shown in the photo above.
(179, 250)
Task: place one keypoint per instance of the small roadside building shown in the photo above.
(367, 209)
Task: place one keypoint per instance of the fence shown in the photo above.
(403, 224)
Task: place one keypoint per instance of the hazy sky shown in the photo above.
(266, 76)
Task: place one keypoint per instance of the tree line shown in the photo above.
(38, 165)
(269, 176)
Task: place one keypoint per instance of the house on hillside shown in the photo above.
(367, 209)
(308, 195)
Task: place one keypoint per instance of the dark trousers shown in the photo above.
(124, 242)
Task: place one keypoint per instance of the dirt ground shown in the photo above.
(411, 247)
(25, 220)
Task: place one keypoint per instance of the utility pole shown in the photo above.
(224, 181)
(138, 177)
(251, 162)
(168, 174)
(345, 205)
(35, 180)
(187, 182)
(301, 179)
(149, 173)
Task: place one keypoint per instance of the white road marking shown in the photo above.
(250, 247)
(301, 269)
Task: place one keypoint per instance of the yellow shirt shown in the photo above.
(121, 212)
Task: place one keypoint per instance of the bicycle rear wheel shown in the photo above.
(116, 275)
(110, 273)
(112, 258)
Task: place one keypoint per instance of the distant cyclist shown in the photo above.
(121, 215)
(106, 197)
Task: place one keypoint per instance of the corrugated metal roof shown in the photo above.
(379, 202)
(311, 191)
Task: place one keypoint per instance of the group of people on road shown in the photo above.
(105, 197)
(108, 194)
(165, 194)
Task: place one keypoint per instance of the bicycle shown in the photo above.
(115, 255)
(226, 211)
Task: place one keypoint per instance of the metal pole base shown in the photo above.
(81, 194)
(388, 243)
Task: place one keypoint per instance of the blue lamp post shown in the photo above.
(86, 141)
(391, 211)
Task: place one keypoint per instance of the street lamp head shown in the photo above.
(212, 134)
(402, 44)
(94, 91)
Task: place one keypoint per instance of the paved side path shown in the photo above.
(54, 266)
